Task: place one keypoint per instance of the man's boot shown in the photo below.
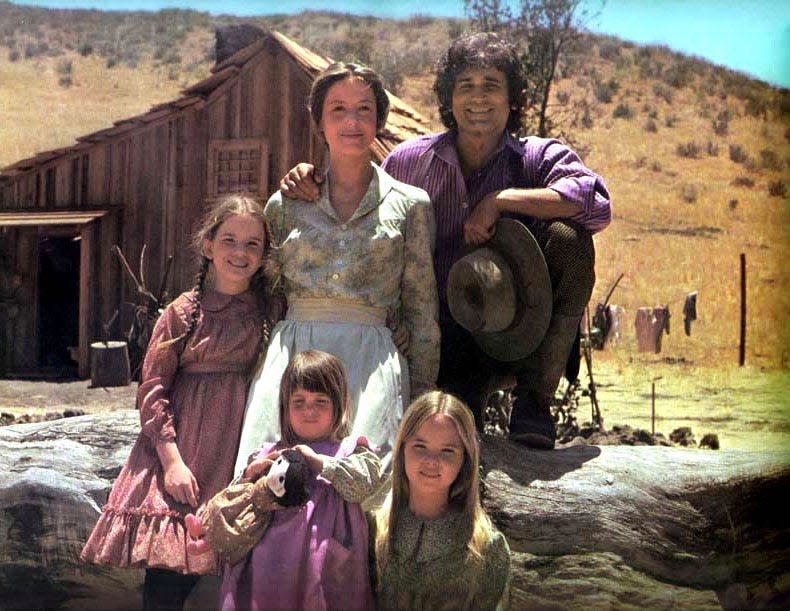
(531, 422)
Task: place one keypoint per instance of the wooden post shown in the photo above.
(742, 343)
(653, 404)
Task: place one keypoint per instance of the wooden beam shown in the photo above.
(83, 346)
(54, 217)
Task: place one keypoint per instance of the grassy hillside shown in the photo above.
(695, 156)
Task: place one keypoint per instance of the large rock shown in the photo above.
(56, 476)
(590, 527)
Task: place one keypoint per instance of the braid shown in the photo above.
(200, 283)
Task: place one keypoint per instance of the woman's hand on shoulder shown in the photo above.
(301, 182)
(402, 339)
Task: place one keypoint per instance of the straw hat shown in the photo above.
(500, 292)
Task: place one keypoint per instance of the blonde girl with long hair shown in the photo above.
(436, 548)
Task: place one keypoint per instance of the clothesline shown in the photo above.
(651, 322)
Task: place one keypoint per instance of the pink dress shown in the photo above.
(195, 395)
(311, 557)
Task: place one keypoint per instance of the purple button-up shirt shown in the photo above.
(431, 163)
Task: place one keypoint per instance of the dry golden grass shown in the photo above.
(667, 247)
(38, 114)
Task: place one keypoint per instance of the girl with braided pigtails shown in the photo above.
(191, 399)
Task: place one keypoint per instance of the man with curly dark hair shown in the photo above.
(476, 172)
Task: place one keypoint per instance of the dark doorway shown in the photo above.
(58, 304)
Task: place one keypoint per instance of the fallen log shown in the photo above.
(590, 527)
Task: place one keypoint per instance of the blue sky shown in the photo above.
(752, 36)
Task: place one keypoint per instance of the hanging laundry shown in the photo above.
(662, 317)
(689, 311)
(616, 314)
(600, 326)
(605, 325)
(651, 324)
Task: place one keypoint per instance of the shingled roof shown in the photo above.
(402, 124)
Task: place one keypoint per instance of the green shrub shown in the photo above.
(609, 50)
(738, 154)
(712, 148)
(743, 181)
(13, 55)
(85, 49)
(689, 150)
(662, 91)
(605, 90)
(623, 111)
(650, 126)
(756, 106)
(777, 188)
(769, 160)
(721, 124)
(679, 74)
(587, 119)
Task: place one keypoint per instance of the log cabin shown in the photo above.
(144, 182)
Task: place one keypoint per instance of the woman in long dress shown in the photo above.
(354, 265)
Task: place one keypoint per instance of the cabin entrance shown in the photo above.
(58, 302)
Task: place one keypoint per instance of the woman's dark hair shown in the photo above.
(480, 50)
(339, 71)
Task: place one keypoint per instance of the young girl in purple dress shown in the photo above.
(314, 556)
(191, 400)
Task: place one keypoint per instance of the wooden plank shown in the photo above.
(154, 210)
(216, 118)
(25, 337)
(171, 212)
(234, 110)
(107, 287)
(196, 200)
(63, 183)
(246, 103)
(258, 104)
(282, 142)
(86, 299)
(187, 101)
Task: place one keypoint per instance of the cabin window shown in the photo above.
(238, 165)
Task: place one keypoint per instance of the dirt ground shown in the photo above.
(748, 409)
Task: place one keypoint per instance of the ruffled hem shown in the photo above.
(139, 538)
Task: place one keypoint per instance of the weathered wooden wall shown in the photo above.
(152, 180)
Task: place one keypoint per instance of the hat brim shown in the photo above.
(518, 246)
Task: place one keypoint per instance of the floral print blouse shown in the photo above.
(381, 257)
